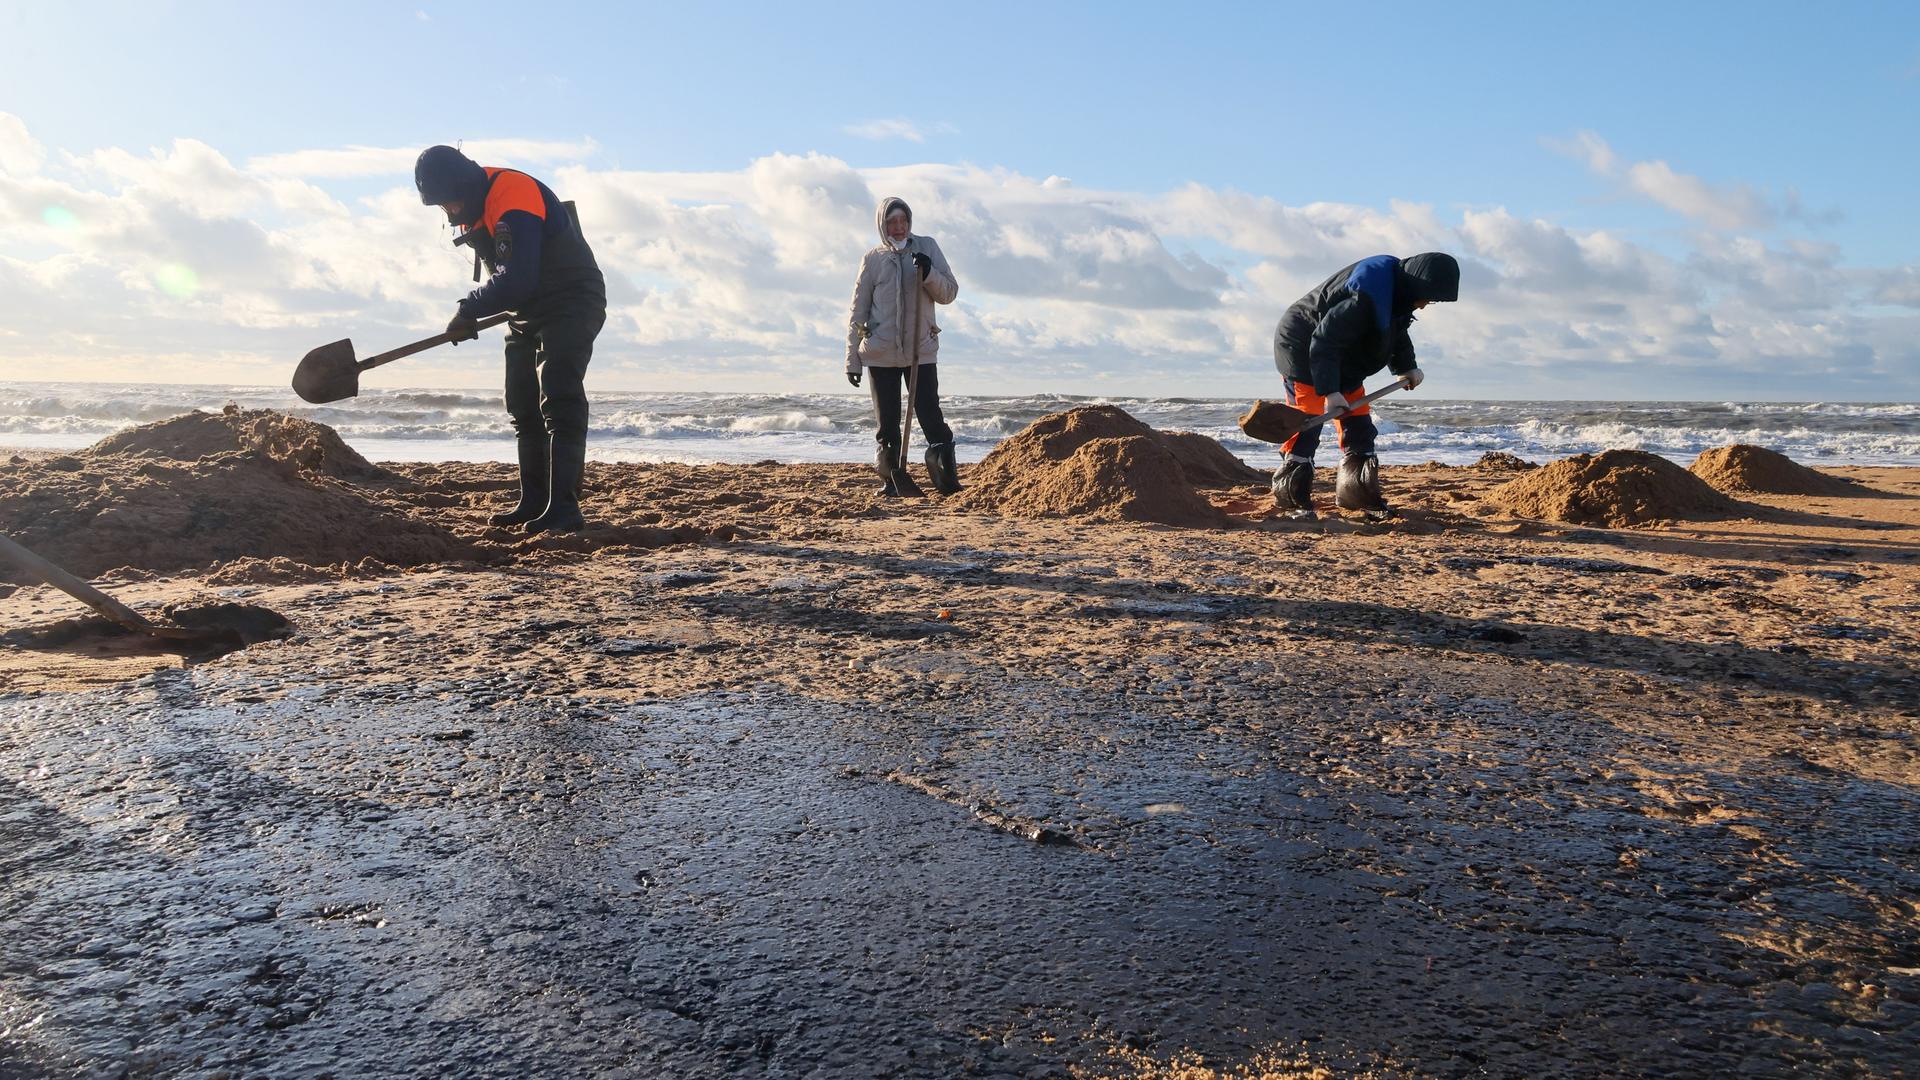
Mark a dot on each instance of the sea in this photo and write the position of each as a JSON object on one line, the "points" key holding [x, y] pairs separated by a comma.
{"points": [[469, 425]]}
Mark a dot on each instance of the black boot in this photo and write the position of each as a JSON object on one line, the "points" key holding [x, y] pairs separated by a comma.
{"points": [[886, 461], [942, 469], [563, 509], [533, 481], [1293, 489], [1359, 486]]}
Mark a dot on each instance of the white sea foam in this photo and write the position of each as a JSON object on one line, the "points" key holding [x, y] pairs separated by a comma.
{"points": [[436, 424]]}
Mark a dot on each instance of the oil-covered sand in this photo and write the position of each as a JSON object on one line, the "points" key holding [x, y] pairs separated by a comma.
{"points": [[765, 776]]}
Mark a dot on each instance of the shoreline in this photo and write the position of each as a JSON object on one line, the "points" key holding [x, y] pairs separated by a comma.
{"points": [[1380, 799], [400, 424]]}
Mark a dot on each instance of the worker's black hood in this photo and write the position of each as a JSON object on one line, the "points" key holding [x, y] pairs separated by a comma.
{"points": [[1433, 276], [446, 175]]}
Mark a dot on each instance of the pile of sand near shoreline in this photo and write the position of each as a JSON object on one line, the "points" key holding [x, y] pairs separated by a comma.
{"points": [[1099, 463], [1501, 461], [307, 446], [95, 513], [1746, 468], [1207, 463], [1615, 489]]}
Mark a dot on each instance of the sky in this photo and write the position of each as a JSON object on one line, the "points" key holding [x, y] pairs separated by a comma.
{"points": [[1649, 200]]}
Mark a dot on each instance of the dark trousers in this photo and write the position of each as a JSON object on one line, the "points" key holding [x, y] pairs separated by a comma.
{"points": [[546, 373], [885, 385]]}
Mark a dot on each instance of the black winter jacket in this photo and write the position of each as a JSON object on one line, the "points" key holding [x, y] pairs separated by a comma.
{"points": [[1356, 322]]}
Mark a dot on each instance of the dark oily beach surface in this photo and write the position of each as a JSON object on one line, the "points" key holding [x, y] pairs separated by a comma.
{"points": [[832, 787]]}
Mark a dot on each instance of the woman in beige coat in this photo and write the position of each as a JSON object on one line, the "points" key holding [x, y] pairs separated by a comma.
{"points": [[890, 327]]}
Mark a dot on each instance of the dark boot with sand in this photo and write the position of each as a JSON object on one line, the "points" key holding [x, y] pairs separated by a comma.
{"points": [[886, 461], [563, 508], [533, 453], [943, 469], [1359, 486], [1293, 489]]}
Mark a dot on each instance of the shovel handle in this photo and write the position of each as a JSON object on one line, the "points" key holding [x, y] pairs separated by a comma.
{"points": [[74, 587], [1397, 384], [424, 344]]}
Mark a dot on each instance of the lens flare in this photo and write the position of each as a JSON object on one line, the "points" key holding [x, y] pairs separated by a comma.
{"points": [[177, 280], [60, 218]]}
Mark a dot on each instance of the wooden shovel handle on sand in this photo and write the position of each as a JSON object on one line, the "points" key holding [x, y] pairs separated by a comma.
{"points": [[114, 610], [1277, 421]]}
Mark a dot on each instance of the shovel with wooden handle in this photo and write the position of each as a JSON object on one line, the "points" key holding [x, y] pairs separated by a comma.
{"points": [[902, 480], [330, 373], [1277, 421], [30, 563]]}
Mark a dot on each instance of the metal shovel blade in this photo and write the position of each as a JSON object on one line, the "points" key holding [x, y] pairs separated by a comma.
{"points": [[1273, 421], [328, 373]]}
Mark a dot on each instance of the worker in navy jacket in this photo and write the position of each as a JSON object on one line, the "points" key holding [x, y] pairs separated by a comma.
{"points": [[543, 272], [1329, 343]]}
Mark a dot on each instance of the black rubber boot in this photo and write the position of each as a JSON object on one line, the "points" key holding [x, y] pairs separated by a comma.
{"points": [[533, 482], [886, 461], [1359, 486], [1293, 489], [563, 508], [943, 469]]}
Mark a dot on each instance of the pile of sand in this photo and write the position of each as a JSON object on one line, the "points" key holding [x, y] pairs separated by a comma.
{"points": [[148, 498], [1098, 463], [307, 446], [1616, 488], [1501, 461], [1754, 468], [1208, 464]]}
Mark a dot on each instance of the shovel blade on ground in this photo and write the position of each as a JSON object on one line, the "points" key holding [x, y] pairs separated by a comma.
{"points": [[1273, 421], [328, 373]]}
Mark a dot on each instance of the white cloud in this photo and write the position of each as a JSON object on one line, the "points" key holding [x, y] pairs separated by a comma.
{"points": [[359, 161], [1731, 207], [886, 129], [880, 130], [177, 263], [1900, 287], [1737, 207], [20, 153]]}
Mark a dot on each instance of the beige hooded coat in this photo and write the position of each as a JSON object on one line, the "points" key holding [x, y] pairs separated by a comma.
{"points": [[889, 287]]}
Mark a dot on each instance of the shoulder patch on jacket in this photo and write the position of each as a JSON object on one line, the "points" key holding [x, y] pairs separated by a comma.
{"points": [[503, 243]]}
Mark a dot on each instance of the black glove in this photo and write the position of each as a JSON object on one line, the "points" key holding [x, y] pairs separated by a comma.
{"points": [[462, 328], [853, 378], [925, 264]]}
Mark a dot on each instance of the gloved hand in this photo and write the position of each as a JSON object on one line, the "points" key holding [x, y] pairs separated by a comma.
{"points": [[1415, 378], [1336, 405], [462, 329], [853, 378], [925, 264]]}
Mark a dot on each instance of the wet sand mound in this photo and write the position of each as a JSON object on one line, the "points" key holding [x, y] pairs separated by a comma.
{"points": [[1094, 462], [94, 512], [1745, 468], [1501, 461], [1615, 489], [1208, 464], [309, 447]]}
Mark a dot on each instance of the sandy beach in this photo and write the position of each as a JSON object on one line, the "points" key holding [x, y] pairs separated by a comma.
{"points": [[1099, 769]]}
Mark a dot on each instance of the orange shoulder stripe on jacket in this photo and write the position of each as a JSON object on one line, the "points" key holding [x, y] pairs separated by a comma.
{"points": [[512, 191]]}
